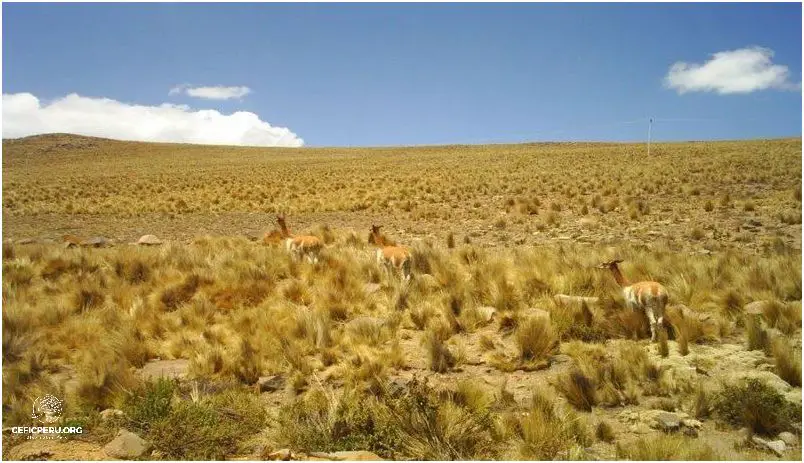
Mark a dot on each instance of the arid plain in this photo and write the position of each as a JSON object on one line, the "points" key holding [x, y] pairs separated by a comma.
{"points": [[477, 357]]}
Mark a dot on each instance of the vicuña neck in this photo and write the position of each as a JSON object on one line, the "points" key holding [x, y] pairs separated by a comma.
{"points": [[379, 240], [618, 276]]}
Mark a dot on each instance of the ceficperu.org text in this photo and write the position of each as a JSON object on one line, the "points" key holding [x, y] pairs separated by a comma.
{"points": [[47, 430]]}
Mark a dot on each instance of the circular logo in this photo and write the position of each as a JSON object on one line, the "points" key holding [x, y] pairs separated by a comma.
{"points": [[46, 409]]}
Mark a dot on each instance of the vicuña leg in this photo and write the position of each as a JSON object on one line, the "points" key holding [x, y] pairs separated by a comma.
{"points": [[652, 321]]}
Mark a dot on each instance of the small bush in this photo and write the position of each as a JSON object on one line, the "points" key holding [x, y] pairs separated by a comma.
{"points": [[150, 403], [578, 389], [758, 406], [207, 428]]}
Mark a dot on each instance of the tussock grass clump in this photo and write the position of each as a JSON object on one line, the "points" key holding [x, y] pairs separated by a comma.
{"points": [[418, 423], [702, 403], [607, 378], [432, 429], [605, 432], [732, 304], [757, 336], [439, 357], [325, 421], [8, 251], [664, 349], [547, 431], [758, 406], [579, 324], [578, 389], [172, 297], [535, 339], [784, 317], [666, 447], [134, 271], [104, 373], [787, 360]]}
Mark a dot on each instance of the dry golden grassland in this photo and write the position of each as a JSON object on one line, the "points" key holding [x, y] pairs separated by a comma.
{"points": [[473, 359]]}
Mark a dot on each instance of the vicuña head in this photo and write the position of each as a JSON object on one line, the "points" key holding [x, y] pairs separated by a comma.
{"points": [[275, 237], [390, 255], [649, 297]]}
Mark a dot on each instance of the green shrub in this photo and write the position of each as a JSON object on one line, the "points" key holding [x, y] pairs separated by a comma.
{"points": [[209, 429], [150, 403], [758, 406]]}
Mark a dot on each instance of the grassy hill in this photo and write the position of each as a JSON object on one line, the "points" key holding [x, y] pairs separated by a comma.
{"points": [[694, 195], [475, 358]]}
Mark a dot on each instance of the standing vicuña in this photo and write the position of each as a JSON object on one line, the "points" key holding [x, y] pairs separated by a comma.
{"points": [[390, 255], [649, 297], [302, 245]]}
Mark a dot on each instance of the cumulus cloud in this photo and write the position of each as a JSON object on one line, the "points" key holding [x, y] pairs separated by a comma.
{"points": [[217, 92], [744, 70], [24, 114]]}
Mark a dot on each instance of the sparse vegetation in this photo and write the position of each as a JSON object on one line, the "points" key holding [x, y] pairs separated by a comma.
{"points": [[341, 335]]}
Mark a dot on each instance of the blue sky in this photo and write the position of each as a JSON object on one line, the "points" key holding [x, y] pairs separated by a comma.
{"points": [[402, 74]]}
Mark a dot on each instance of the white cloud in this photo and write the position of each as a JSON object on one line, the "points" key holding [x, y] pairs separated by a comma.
{"points": [[24, 114], [735, 71], [217, 92]]}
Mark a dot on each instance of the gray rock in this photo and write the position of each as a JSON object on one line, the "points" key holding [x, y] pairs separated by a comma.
{"points": [[270, 383], [777, 446], [170, 369], [759, 442], [110, 413], [96, 242], [282, 455], [755, 308], [640, 428], [397, 386], [356, 455], [559, 359], [667, 422], [371, 288], [691, 423], [126, 446], [788, 438], [149, 240]]}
